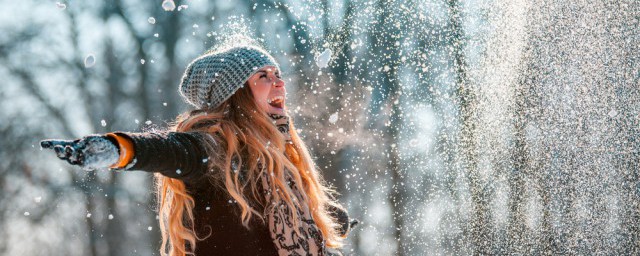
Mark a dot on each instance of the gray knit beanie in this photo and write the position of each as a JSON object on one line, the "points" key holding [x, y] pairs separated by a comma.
{"points": [[212, 78]]}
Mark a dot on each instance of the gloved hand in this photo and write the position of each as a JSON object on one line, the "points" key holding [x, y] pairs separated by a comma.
{"points": [[90, 152], [353, 223]]}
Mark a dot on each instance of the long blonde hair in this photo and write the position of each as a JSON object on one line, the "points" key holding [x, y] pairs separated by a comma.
{"points": [[239, 132]]}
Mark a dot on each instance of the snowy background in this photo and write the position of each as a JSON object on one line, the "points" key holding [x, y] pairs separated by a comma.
{"points": [[449, 127]]}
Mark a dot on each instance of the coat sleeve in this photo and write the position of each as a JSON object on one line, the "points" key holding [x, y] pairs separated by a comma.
{"points": [[180, 155]]}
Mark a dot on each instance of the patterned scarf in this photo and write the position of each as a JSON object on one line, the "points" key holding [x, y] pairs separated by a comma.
{"points": [[304, 237], [282, 123]]}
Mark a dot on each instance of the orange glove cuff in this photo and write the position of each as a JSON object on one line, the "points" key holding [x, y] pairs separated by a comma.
{"points": [[126, 150]]}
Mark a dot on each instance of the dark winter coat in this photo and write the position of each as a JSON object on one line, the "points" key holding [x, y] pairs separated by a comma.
{"points": [[216, 216]]}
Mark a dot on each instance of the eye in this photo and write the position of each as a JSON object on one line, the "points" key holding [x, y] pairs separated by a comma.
{"points": [[263, 75], [278, 75]]}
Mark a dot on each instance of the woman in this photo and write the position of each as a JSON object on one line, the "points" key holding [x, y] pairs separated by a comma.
{"points": [[233, 176]]}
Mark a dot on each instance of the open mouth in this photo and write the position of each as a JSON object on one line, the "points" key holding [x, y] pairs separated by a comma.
{"points": [[276, 102]]}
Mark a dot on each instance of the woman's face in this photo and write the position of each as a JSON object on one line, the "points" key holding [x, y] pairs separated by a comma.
{"points": [[268, 90]]}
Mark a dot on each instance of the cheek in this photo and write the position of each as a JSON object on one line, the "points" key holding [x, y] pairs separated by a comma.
{"points": [[260, 93]]}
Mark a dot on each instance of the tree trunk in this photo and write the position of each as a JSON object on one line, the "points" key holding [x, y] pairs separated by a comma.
{"points": [[479, 227], [384, 37]]}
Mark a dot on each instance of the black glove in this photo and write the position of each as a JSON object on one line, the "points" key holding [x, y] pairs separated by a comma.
{"points": [[353, 223], [90, 152]]}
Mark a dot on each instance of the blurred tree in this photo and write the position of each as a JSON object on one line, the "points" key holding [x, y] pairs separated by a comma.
{"points": [[387, 96], [478, 229]]}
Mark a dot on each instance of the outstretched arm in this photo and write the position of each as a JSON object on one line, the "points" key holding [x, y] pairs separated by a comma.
{"points": [[179, 155], [174, 154]]}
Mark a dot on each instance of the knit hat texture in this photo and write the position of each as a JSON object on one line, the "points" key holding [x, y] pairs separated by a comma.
{"points": [[212, 78]]}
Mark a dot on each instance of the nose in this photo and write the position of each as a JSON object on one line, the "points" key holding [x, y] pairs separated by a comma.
{"points": [[278, 82]]}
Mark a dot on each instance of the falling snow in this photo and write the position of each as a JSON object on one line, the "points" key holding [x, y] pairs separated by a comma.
{"points": [[333, 118], [322, 60], [168, 5], [61, 6], [89, 61], [182, 7]]}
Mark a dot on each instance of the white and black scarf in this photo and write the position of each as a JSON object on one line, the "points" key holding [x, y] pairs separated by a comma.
{"points": [[291, 239]]}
